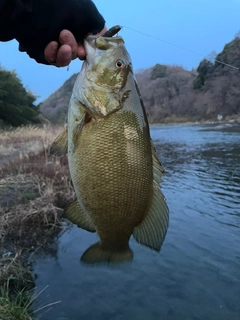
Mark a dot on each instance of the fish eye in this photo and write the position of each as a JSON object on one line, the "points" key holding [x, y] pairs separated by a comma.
{"points": [[120, 64]]}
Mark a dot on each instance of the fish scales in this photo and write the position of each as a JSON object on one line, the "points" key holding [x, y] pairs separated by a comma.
{"points": [[117, 181]]}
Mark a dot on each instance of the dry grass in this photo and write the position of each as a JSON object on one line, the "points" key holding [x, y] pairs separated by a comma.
{"points": [[24, 141], [13, 274], [34, 189]]}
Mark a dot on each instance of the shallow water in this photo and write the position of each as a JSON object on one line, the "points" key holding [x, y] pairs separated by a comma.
{"points": [[197, 273]]}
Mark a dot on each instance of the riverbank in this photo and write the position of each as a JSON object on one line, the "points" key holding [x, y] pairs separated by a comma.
{"points": [[34, 189], [223, 126]]}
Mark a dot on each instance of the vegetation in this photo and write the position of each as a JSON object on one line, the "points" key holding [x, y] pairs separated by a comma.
{"points": [[15, 289], [204, 69], [16, 104], [158, 71], [34, 189], [16, 292], [220, 93], [17, 307]]}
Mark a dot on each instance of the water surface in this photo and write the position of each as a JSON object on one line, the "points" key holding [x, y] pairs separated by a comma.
{"points": [[196, 276]]}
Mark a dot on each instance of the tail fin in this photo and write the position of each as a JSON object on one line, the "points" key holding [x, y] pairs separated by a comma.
{"points": [[97, 254]]}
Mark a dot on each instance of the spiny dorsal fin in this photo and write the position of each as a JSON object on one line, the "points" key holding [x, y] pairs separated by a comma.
{"points": [[59, 147], [152, 230], [79, 217]]}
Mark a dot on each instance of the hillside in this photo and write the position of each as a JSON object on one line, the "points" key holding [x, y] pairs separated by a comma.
{"points": [[218, 85], [173, 94], [55, 107], [167, 93]]}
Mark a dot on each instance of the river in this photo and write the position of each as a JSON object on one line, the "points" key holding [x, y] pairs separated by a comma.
{"points": [[196, 276]]}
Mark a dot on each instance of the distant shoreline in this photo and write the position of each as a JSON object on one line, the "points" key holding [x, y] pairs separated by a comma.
{"points": [[224, 126]]}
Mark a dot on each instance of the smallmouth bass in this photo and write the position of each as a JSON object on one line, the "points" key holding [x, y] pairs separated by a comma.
{"points": [[113, 165]]}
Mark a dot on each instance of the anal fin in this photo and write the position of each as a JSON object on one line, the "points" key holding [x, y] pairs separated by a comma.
{"points": [[79, 217], [59, 146]]}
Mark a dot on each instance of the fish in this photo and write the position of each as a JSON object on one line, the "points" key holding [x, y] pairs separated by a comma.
{"points": [[113, 164]]}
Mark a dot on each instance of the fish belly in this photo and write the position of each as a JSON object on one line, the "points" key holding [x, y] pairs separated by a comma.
{"points": [[111, 170]]}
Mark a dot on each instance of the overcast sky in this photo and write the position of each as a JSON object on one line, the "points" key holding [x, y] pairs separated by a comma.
{"points": [[200, 26]]}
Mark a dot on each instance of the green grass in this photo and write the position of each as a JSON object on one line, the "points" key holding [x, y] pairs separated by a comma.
{"points": [[28, 196], [15, 305]]}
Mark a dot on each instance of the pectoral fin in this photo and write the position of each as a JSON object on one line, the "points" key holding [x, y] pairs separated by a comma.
{"points": [[78, 127], [77, 216], [59, 147], [152, 230]]}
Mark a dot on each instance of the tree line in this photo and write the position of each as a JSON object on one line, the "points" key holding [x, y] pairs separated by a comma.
{"points": [[17, 105]]}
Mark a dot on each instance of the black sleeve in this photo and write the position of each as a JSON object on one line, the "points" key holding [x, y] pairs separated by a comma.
{"points": [[34, 23]]}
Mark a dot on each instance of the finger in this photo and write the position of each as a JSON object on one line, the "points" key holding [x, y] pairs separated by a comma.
{"points": [[51, 51], [81, 53], [66, 37], [64, 56]]}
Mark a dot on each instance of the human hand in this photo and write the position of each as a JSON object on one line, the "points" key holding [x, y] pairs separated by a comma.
{"points": [[69, 49]]}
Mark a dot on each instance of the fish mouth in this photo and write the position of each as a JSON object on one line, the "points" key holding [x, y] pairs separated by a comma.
{"points": [[100, 44]]}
